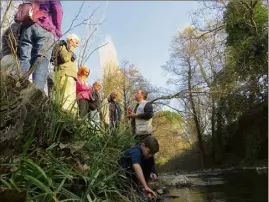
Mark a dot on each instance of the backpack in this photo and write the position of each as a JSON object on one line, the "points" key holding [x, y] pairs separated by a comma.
{"points": [[55, 58], [28, 14]]}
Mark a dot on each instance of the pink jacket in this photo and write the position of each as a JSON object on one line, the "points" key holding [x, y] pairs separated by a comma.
{"points": [[83, 90]]}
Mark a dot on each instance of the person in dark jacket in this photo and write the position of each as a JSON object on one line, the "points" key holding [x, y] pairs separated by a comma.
{"points": [[94, 101]]}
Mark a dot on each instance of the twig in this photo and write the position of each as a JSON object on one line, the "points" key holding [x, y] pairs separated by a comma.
{"points": [[95, 50]]}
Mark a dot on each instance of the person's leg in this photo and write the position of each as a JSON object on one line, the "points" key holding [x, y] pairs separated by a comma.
{"points": [[144, 137], [41, 53], [83, 107], [140, 138], [41, 73], [50, 85], [68, 85], [25, 49]]}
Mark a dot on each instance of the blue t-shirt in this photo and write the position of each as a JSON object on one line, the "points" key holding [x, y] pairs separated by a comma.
{"points": [[134, 156]]}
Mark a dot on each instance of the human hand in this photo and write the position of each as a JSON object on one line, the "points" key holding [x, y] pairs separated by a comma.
{"points": [[151, 194], [130, 110], [131, 115], [153, 176]]}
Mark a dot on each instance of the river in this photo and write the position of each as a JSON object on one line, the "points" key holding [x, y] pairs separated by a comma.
{"points": [[249, 185]]}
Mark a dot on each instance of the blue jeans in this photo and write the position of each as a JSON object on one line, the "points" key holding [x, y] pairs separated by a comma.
{"points": [[35, 52]]}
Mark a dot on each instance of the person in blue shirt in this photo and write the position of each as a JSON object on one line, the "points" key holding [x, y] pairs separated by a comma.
{"points": [[139, 163]]}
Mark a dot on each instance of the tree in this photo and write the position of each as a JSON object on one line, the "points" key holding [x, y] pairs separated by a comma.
{"points": [[246, 24], [111, 79], [87, 47], [184, 69], [168, 128]]}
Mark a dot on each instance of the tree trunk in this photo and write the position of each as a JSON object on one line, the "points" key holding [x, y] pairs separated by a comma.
{"points": [[219, 146], [213, 130], [195, 117]]}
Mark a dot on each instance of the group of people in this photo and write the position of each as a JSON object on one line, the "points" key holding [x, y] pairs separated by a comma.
{"points": [[32, 42]]}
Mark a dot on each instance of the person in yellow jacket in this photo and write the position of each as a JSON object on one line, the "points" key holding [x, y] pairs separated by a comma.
{"points": [[65, 74]]}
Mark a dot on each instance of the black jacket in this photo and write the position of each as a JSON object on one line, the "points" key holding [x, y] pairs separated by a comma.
{"points": [[94, 102]]}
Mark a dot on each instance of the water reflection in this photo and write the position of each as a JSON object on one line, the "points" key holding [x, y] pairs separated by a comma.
{"points": [[240, 186]]}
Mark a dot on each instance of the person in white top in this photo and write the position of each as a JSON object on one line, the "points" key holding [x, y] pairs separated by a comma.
{"points": [[141, 116]]}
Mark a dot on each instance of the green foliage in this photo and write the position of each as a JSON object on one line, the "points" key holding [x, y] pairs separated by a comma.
{"points": [[247, 40], [171, 117], [73, 160], [227, 64]]}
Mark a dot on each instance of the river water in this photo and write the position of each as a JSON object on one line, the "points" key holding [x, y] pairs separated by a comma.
{"points": [[236, 186]]}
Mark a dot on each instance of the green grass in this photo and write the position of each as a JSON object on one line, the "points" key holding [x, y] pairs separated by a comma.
{"points": [[55, 146]]}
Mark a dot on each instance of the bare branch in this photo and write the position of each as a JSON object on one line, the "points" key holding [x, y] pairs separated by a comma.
{"points": [[94, 51]]}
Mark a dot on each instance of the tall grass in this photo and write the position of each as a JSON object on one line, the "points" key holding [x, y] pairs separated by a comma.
{"points": [[69, 159]]}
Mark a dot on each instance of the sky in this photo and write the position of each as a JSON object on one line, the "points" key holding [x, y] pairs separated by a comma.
{"points": [[140, 30]]}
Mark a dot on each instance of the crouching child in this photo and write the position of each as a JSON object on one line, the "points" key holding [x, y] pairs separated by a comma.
{"points": [[139, 164]]}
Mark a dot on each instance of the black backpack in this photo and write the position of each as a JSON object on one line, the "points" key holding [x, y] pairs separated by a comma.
{"points": [[55, 57]]}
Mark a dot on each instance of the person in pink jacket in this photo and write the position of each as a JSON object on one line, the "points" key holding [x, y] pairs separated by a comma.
{"points": [[83, 90]]}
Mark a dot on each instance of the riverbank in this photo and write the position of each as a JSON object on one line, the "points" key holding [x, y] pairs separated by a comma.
{"points": [[48, 155]]}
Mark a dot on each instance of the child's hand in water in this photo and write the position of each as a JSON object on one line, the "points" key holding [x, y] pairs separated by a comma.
{"points": [[151, 194]]}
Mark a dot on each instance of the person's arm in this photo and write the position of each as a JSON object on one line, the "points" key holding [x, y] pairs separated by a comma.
{"points": [[57, 16], [139, 174], [148, 112]]}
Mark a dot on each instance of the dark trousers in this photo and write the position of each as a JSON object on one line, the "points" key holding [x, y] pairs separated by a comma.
{"points": [[139, 138], [83, 105], [50, 86]]}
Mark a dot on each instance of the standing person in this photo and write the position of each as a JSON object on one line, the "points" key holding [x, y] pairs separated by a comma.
{"points": [[141, 116], [38, 36], [94, 102], [9, 51], [109, 110], [65, 74], [83, 91]]}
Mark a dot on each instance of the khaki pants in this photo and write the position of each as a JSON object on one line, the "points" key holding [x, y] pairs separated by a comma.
{"points": [[68, 84], [140, 138]]}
